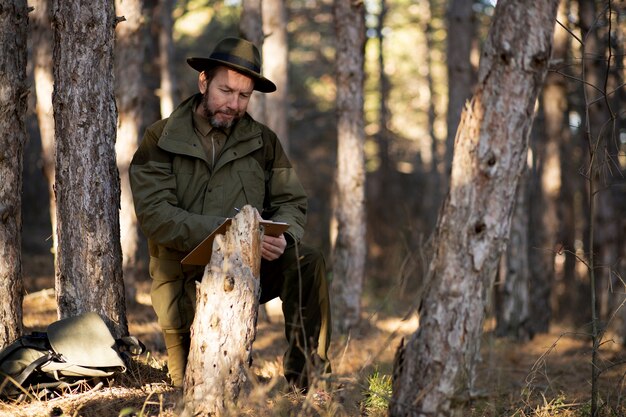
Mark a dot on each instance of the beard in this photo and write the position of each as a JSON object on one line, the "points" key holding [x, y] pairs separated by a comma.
{"points": [[212, 116]]}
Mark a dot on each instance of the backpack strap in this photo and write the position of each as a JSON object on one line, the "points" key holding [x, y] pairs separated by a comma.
{"points": [[23, 376], [35, 340]]}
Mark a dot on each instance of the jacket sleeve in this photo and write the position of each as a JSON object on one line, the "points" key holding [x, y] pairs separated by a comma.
{"points": [[153, 187], [286, 200]]}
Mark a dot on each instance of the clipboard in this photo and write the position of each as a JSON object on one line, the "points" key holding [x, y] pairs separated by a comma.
{"points": [[201, 254]]}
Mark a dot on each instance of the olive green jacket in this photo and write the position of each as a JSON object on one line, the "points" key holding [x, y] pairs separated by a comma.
{"points": [[179, 201]]}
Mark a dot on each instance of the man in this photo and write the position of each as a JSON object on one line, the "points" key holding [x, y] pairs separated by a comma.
{"points": [[191, 171]]}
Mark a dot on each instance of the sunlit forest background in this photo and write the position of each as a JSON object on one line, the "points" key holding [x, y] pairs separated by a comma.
{"points": [[415, 135], [410, 128], [408, 133]]}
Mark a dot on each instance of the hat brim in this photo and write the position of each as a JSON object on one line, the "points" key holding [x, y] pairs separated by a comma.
{"points": [[261, 83], [84, 340]]}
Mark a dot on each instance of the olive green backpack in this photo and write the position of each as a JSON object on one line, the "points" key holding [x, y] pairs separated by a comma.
{"points": [[72, 351]]}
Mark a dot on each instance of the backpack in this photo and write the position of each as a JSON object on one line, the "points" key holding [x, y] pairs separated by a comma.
{"points": [[72, 351]]}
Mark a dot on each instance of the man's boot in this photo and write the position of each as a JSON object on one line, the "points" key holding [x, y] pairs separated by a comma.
{"points": [[177, 345]]}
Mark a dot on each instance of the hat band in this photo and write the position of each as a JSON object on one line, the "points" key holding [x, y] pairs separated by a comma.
{"points": [[237, 61]]}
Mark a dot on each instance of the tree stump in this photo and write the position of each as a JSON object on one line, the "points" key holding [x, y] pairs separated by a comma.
{"points": [[224, 326]]}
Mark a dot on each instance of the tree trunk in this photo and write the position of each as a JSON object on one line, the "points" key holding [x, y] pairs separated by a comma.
{"points": [[151, 109], [384, 88], [41, 33], [461, 79], [275, 45], [434, 168], [89, 273], [129, 53], [600, 137], [382, 217], [601, 250], [167, 91], [546, 185], [13, 104], [349, 251], [251, 29], [224, 326], [513, 291], [570, 295], [542, 244], [435, 370], [616, 82]]}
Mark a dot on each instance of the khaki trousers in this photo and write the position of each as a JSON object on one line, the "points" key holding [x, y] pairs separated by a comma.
{"points": [[298, 277]]}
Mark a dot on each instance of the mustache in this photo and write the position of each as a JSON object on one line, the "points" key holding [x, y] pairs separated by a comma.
{"points": [[228, 112], [208, 113]]}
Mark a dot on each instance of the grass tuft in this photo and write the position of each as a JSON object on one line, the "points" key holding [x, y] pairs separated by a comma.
{"points": [[377, 394]]}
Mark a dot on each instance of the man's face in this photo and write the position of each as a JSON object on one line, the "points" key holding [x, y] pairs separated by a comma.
{"points": [[225, 97]]}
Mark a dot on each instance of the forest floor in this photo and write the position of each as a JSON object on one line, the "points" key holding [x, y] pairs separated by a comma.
{"points": [[547, 376]]}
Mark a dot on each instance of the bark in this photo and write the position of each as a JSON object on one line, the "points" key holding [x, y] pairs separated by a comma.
{"points": [[224, 326], [13, 104], [349, 251], [41, 33], [513, 291], [435, 371], [129, 53], [89, 262], [461, 78], [167, 91], [275, 45], [251, 28]]}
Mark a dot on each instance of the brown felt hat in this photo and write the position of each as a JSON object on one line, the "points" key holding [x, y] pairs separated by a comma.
{"points": [[240, 55]]}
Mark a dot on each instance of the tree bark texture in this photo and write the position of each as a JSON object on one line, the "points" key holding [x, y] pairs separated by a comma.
{"points": [[41, 32], [251, 28], [89, 262], [435, 369], [349, 250], [513, 291], [224, 326], [275, 67], [13, 104], [129, 86]]}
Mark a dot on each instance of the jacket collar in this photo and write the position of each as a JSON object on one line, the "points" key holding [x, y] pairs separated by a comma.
{"points": [[178, 135]]}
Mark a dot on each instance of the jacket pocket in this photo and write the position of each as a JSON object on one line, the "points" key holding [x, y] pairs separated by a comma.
{"points": [[253, 184]]}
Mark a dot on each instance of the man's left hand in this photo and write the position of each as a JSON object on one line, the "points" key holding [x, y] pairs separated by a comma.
{"points": [[272, 247]]}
